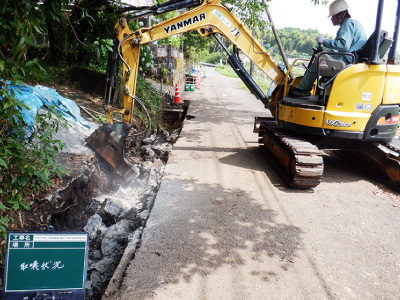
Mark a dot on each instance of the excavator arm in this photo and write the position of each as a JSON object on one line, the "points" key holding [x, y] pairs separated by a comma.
{"points": [[210, 18]]}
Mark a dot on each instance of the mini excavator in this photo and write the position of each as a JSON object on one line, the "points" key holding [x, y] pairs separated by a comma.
{"points": [[352, 108]]}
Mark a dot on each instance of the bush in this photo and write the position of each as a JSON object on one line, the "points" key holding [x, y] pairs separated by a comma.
{"points": [[213, 58], [26, 163], [151, 98]]}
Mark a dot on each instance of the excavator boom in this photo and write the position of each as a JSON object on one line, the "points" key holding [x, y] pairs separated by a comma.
{"points": [[210, 18]]}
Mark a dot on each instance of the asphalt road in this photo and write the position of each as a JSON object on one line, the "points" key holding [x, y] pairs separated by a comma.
{"points": [[225, 226]]}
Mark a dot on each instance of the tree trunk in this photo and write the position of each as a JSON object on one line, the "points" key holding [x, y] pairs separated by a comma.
{"points": [[57, 39]]}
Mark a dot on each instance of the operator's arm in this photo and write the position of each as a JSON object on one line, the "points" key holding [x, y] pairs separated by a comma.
{"points": [[350, 37]]}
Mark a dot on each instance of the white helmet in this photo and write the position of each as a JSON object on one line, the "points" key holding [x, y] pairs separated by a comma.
{"points": [[336, 7]]}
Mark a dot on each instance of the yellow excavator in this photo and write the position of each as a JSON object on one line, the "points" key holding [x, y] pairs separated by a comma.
{"points": [[351, 108]]}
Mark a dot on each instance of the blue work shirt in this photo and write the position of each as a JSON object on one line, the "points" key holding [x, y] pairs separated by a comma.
{"points": [[350, 37]]}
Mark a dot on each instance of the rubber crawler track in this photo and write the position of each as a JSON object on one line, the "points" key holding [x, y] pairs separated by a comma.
{"points": [[298, 162]]}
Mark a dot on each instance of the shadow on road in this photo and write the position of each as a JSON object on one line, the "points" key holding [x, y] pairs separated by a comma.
{"points": [[201, 236]]}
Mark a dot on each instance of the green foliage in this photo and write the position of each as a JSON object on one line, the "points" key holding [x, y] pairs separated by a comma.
{"points": [[146, 59], [3, 225], [26, 163], [226, 71], [101, 119], [172, 40], [82, 36], [295, 41], [211, 58], [251, 13], [103, 46], [151, 98], [20, 24], [193, 44]]}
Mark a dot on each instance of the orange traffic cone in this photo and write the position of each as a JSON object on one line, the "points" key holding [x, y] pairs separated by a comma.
{"points": [[177, 96], [196, 82]]}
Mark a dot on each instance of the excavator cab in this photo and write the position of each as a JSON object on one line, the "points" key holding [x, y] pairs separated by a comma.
{"points": [[328, 67], [352, 108]]}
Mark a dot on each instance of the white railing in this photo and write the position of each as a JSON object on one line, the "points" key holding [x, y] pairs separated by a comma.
{"points": [[206, 64]]}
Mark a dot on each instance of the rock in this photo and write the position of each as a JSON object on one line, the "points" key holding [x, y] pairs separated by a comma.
{"points": [[166, 135], [175, 135], [144, 215], [94, 225], [149, 140], [115, 238], [162, 151], [103, 265], [160, 139], [97, 281], [145, 170], [115, 230], [88, 285], [132, 216], [111, 208], [148, 153], [100, 179], [97, 254]]}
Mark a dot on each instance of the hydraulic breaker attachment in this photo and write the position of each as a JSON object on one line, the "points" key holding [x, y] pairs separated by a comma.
{"points": [[109, 142]]}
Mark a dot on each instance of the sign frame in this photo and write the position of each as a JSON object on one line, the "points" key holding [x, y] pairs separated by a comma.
{"points": [[51, 260]]}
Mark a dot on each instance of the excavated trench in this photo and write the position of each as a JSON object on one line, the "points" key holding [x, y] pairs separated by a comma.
{"points": [[116, 217], [93, 198]]}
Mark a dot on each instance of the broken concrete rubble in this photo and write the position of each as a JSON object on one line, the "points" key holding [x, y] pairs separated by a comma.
{"points": [[117, 211], [113, 229]]}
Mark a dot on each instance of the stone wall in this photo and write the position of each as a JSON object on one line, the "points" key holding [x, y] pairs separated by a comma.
{"points": [[172, 59]]}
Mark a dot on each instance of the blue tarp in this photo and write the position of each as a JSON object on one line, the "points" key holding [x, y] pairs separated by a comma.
{"points": [[38, 96], [66, 107]]}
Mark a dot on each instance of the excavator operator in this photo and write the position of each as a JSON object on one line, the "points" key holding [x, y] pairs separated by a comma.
{"points": [[350, 37]]}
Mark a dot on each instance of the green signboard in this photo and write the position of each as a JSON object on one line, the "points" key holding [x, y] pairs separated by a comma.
{"points": [[46, 261]]}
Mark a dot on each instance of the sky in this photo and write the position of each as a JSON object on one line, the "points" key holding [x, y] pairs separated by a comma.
{"points": [[304, 15]]}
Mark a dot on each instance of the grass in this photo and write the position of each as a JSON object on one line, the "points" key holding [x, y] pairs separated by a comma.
{"points": [[262, 80]]}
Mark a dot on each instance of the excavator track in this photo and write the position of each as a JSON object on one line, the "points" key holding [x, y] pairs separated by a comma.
{"points": [[385, 156], [392, 165], [298, 162]]}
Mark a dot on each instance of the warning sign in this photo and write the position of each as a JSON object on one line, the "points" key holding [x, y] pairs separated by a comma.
{"points": [[323, 64]]}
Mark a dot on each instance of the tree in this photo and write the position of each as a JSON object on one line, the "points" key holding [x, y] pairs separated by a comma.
{"points": [[26, 160], [84, 29], [20, 22], [250, 12]]}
